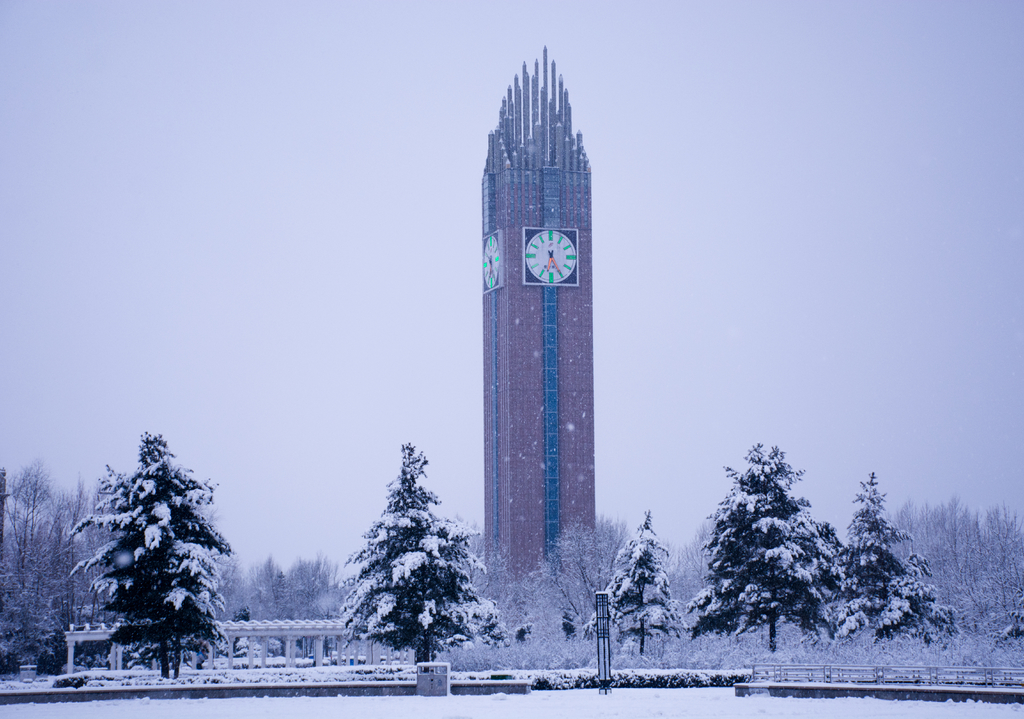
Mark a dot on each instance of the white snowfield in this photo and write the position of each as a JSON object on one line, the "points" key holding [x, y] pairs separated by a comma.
{"points": [[581, 703]]}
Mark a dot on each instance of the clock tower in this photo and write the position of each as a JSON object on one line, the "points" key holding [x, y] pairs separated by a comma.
{"points": [[537, 324]]}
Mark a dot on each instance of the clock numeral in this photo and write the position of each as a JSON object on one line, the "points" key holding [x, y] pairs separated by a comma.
{"points": [[530, 255]]}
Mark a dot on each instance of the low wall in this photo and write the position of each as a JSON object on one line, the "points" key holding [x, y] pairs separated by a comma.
{"points": [[493, 686], [90, 694], [933, 693], [322, 689]]}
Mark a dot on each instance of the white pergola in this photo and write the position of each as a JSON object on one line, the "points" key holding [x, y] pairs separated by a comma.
{"points": [[92, 633], [288, 630]]}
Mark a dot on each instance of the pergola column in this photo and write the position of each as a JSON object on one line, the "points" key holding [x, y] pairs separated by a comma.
{"points": [[318, 651], [71, 655], [252, 652], [263, 653]]}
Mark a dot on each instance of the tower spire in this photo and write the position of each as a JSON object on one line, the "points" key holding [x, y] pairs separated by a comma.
{"points": [[544, 119], [535, 127]]}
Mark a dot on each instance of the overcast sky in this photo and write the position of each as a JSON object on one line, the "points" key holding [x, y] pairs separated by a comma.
{"points": [[254, 228]]}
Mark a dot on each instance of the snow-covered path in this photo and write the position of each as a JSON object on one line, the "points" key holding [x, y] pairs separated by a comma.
{"points": [[584, 704]]}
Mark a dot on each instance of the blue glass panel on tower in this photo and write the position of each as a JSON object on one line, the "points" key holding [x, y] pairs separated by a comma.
{"points": [[495, 485], [552, 527]]}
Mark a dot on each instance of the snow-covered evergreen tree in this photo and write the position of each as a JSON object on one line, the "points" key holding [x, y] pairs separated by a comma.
{"points": [[162, 562], [879, 590], [641, 602], [413, 589], [770, 560]]}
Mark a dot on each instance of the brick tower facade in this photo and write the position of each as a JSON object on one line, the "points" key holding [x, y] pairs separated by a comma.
{"points": [[537, 324]]}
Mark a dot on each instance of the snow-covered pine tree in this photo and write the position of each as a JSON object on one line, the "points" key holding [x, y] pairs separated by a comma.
{"points": [[879, 590], [641, 602], [413, 589], [770, 561], [162, 562]]}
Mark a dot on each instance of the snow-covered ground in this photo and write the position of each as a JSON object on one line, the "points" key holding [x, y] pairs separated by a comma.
{"points": [[585, 704]]}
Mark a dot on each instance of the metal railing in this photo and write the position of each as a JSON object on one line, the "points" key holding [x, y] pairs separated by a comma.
{"points": [[847, 674]]}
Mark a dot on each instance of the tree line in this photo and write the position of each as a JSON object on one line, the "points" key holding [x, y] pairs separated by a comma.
{"points": [[39, 595], [760, 567]]}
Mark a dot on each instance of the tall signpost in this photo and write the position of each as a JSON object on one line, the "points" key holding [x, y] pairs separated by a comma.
{"points": [[604, 643], [3, 502]]}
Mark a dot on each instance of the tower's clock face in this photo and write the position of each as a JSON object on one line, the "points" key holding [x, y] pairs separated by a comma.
{"points": [[550, 257], [493, 263]]}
